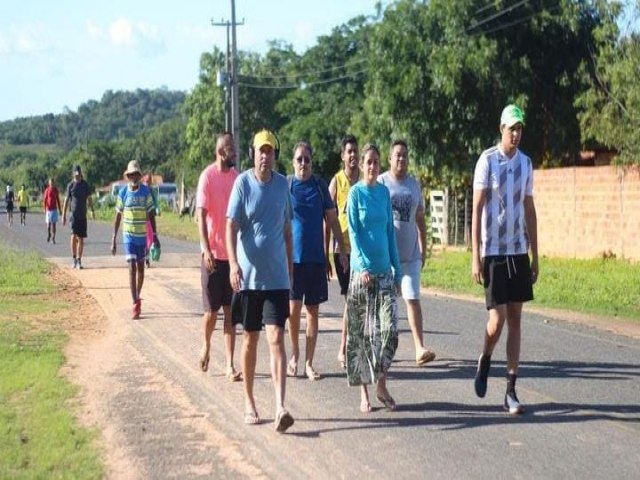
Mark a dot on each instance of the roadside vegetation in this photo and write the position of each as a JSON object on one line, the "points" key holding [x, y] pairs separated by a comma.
{"points": [[39, 436], [607, 287]]}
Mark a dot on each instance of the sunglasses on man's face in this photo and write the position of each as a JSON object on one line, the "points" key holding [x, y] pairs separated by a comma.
{"points": [[303, 159]]}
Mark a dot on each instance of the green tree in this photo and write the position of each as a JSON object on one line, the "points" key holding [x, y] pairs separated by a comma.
{"points": [[610, 108]]}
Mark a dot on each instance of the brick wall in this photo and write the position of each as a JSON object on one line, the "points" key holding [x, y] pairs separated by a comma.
{"points": [[585, 211]]}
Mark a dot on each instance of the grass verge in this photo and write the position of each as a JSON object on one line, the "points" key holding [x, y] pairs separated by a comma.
{"points": [[607, 287], [39, 437]]}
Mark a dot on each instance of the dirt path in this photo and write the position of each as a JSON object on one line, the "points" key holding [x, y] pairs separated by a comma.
{"points": [[123, 394]]}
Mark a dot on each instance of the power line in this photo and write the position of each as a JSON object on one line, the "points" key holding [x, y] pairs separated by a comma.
{"points": [[307, 74], [303, 85], [496, 15], [517, 21]]}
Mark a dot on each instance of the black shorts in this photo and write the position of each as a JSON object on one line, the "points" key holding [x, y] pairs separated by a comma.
{"points": [[309, 283], [507, 279], [343, 277], [254, 308], [216, 288], [79, 226], [9, 207], [23, 209]]}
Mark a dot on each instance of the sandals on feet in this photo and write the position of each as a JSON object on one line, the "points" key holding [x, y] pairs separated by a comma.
{"points": [[387, 400], [204, 361], [283, 421], [292, 368], [426, 357], [365, 406], [232, 375], [251, 417], [311, 373]]}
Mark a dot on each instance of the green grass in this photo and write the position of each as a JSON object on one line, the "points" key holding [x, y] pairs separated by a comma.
{"points": [[39, 437], [603, 287]]}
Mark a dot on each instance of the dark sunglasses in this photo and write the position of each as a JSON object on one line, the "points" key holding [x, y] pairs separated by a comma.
{"points": [[303, 159]]}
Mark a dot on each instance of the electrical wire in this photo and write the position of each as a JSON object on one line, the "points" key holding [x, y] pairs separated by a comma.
{"points": [[496, 15], [306, 74], [304, 84]]}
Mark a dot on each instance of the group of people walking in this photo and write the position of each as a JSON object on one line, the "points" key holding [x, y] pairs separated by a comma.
{"points": [[265, 245], [265, 242]]}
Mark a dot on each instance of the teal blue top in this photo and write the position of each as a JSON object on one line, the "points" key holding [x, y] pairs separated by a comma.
{"points": [[371, 231]]}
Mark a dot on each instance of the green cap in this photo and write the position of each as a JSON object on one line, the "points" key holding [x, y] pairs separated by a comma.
{"points": [[511, 115]]}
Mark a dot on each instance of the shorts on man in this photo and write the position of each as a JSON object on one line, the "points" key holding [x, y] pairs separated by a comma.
{"points": [[135, 252], [410, 283], [79, 227], [51, 216], [9, 207], [216, 287], [23, 209], [309, 283], [343, 276], [507, 279], [254, 308]]}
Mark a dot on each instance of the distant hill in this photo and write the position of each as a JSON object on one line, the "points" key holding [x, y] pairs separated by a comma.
{"points": [[118, 115]]}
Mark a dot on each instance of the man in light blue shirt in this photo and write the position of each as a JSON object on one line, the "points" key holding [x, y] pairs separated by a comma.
{"points": [[258, 239]]}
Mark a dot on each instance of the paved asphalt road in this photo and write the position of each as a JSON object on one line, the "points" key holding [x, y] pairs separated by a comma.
{"points": [[581, 387]]}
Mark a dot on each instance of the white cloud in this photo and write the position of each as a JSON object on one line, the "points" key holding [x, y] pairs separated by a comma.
{"points": [[24, 39], [200, 32], [94, 30], [305, 34], [121, 32]]}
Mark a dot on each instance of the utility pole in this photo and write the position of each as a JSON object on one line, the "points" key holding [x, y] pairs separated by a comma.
{"points": [[235, 106], [230, 81]]}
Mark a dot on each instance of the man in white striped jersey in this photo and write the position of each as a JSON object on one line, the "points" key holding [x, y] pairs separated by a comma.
{"points": [[503, 230]]}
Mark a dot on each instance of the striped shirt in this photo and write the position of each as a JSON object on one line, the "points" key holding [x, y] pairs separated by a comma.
{"points": [[134, 206], [506, 181]]}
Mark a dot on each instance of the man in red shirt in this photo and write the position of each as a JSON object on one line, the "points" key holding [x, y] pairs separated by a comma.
{"points": [[52, 207]]}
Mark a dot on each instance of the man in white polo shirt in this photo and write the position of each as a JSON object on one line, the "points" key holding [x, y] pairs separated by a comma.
{"points": [[504, 228]]}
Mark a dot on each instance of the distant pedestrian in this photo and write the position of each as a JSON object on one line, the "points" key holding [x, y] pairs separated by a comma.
{"points": [[23, 204], [312, 206], [52, 206], [339, 191], [259, 248], [134, 206], [9, 199], [372, 326], [77, 200], [407, 203], [212, 199], [504, 229]]}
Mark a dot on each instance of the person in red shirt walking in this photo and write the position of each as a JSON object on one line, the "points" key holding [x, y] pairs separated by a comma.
{"points": [[52, 207]]}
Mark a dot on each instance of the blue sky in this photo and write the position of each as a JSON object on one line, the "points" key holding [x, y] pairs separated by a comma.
{"points": [[61, 53]]}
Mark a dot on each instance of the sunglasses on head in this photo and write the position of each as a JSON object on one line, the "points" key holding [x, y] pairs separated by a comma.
{"points": [[303, 159]]}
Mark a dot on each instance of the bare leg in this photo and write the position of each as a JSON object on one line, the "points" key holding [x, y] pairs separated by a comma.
{"points": [[343, 338], [74, 246], [414, 315], [209, 320], [249, 355], [514, 313], [53, 231], [132, 281], [497, 317], [140, 279], [312, 333], [229, 338], [278, 355], [295, 309], [365, 405]]}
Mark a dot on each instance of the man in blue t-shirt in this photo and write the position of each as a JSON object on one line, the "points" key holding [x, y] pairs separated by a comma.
{"points": [[312, 205], [258, 238]]}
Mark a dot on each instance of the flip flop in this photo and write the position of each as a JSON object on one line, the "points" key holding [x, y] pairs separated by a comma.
{"points": [[292, 368], [251, 418], [365, 407], [387, 400], [204, 362], [342, 361], [426, 357], [233, 376], [311, 373], [283, 421]]}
